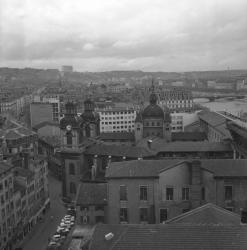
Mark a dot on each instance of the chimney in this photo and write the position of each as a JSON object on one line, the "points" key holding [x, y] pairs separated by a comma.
{"points": [[195, 184], [149, 142]]}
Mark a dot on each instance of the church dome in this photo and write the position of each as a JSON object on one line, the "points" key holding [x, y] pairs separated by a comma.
{"points": [[153, 109]]}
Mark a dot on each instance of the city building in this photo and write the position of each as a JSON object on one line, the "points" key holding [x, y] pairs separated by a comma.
{"points": [[7, 215], [154, 191], [91, 203], [153, 121], [214, 125], [239, 139], [40, 112], [26, 190], [117, 119], [177, 100]]}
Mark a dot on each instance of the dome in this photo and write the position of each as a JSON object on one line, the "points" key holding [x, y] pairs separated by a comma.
{"points": [[153, 110], [72, 121]]}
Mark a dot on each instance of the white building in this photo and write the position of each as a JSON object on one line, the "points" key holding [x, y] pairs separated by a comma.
{"points": [[117, 119], [176, 99], [181, 120]]}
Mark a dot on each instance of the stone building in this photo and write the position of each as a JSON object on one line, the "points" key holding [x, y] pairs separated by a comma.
{"points": [[153, 191], [153, 121]]}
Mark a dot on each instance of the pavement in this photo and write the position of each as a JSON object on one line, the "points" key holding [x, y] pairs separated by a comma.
{"points": [[38, 238]]}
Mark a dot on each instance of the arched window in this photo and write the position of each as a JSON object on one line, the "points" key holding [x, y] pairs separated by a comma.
{"points": [[69, 138], [72, 188], [152, 124], [72, 169], [87, 130]]}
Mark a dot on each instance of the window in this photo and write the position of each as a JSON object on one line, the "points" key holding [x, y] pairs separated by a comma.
{"points": [[72, 188], [163, 215], [244, 216], [123, 193], [169, 194], [143, 193], [69, 138], [143, 214], [185, 194], [203, 193], [228, 193], [123, 214], [71, 169]]}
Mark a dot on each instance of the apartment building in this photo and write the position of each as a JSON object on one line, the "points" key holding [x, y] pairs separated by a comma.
{"points": [[117, 119], [7, 214], [153, 191], [176, 99]]}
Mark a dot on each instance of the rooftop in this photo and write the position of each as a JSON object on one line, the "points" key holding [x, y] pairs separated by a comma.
{"points": [[170, 236], [119, 150], [117, 136], [24, 172], [91, 194], [215, 120], [5, 167], [161, 145], [152, 168]]}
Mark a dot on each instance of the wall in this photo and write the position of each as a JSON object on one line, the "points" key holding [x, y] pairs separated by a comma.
{"points": [[40, 112], [133, 204]]}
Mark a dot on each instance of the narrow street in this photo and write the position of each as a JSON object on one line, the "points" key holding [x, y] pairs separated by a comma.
{"points": [[38, 239]]}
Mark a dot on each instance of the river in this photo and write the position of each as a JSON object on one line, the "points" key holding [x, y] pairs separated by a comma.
{"points": [[231, 105]]}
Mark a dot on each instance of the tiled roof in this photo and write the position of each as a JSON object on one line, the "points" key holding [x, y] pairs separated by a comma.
{"points": [[170, 236], [13, 130], [215, 120], [45, 123], [117, 136], [92, 194], [226, 167], [138, 168], [212, 118], [189, 136], [24, 172], [119, 150], [189, 146], [5, 167], [152, 168], [161, 145], [209, 214]]}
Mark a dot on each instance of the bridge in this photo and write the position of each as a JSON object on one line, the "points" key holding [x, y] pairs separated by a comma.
{"points": [[212, 98]]}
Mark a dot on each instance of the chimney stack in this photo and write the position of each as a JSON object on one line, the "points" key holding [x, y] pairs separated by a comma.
{"points": [[195, 183]]}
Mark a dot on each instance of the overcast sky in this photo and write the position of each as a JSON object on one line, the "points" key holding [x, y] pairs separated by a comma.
{"points": [[99, 35]]}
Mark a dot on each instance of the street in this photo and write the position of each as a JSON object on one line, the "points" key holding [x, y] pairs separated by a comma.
{"points": [[38, 239]]}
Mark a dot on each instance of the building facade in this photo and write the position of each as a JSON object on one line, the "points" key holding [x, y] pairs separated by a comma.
{"points": [[155, 191], [177, 100]]}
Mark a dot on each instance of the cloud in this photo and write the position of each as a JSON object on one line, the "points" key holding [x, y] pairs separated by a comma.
{"points": [[96, 35]]}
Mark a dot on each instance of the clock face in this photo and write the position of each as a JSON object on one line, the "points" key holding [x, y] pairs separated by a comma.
{"points": [[68, 127]]}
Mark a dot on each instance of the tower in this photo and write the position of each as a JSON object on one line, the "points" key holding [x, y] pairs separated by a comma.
{"points": [[138, 127], [69, 127], [90, 121]]}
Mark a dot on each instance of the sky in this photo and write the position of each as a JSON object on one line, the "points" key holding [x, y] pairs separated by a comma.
{"points": [[104, 35]]}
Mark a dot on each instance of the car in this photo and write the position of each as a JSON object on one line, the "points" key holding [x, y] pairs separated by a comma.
{"points": [[64, 232], [67, 216]]}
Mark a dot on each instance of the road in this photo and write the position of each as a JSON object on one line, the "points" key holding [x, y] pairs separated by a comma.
{"points": [[38, 239]]}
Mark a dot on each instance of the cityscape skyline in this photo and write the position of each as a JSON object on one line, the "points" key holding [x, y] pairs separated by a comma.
{"points": [[131, 35]]}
